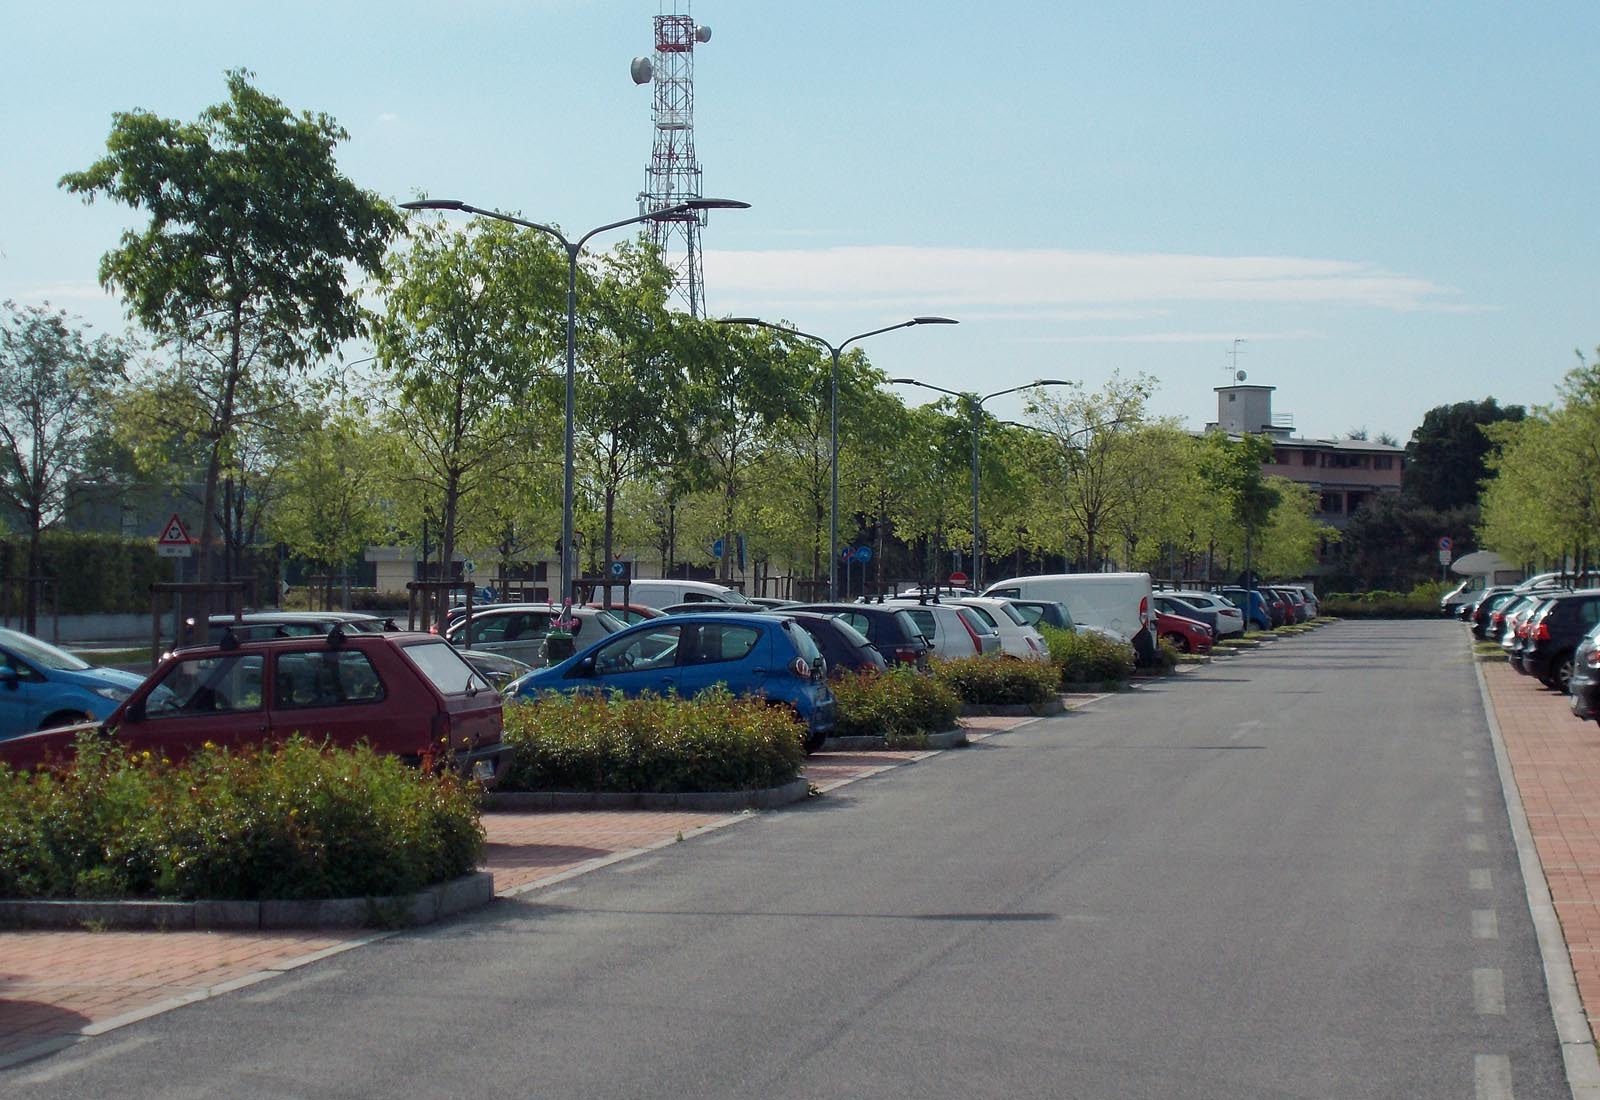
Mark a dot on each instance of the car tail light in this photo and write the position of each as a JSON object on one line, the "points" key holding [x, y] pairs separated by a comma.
{"points": [[1541, 633], [906, 653], [1033, 645], [1592, 658], [441, 730], [977, 642], [1499, 618], [801, 668], [1144, 610]]}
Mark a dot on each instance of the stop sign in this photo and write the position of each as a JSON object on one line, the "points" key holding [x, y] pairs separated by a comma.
{"points": [[958, 577]]}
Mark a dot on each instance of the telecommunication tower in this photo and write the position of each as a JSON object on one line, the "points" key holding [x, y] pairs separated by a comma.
{"points": [[673, 176]]}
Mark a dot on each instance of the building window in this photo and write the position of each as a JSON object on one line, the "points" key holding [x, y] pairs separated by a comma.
{"points": [[1233, 397], [1308, 458], [1332, 503], [1355, 501], [1383, 462]]}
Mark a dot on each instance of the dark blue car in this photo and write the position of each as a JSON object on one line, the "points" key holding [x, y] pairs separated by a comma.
{"points": [[767, 655]]}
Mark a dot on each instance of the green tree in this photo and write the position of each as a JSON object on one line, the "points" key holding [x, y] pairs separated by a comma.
{"points": [[328, 505], [1447, 457], [53, 381], [250, 235], [472, 321], [1232, 467]]}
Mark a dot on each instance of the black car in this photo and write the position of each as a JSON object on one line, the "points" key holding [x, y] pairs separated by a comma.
{"points": [[1045, 612], [890, 628], [1585, 682], [1482, 614], [1554, 633], [844, 647]]}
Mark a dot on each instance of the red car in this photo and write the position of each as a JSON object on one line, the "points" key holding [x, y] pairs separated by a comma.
{"points": [[408, 694], [1187, 635]]}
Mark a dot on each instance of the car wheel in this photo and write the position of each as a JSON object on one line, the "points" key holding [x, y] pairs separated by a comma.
{"points": [[814, 742], [65, 718], [1178, 640], [1562, 677]]}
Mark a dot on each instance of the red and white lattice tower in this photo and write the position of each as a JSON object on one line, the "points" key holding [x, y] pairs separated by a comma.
{"points": [[673, 176]]}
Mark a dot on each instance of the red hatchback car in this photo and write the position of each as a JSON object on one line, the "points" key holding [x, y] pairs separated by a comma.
{"points": [[408, 694], [1187, 635]]}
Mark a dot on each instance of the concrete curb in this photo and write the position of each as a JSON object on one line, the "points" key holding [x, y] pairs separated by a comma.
{"points": [[711, 801], [946, 739], [408, 910], [1566, 1005], [1045, 709]]}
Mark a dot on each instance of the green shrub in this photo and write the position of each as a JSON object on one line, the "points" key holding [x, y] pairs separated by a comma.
{"points": [[288, 822], [985, 681], [1166, 655], [902, 705], [1084, 657], [712, 742]]}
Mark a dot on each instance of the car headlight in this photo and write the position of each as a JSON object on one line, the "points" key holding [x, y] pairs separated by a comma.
{"points": [[115, 694]]}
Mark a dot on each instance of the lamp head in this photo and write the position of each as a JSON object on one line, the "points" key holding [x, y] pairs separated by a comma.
{"points": [[715, 204], [740, 321], [1051, 382], [934, 321], [904, 382], [434, 204]]}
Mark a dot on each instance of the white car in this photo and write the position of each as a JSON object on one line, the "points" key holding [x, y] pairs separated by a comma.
{"points": [[517, 630], [1230, 620], [952, 630], [1018, 637]]}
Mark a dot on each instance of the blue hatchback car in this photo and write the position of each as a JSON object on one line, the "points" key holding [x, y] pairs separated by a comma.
{"points": [[769, 655], [42, 687]]}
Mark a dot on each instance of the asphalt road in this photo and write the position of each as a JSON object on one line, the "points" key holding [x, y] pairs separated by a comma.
{"points": [[1288, 875]]}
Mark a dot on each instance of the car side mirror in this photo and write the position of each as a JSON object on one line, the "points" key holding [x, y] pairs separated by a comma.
{"points": [[584, 667]]}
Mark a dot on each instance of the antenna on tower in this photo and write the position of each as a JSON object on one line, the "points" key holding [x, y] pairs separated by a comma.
{"points": [[673, 176], [1235, 374]]}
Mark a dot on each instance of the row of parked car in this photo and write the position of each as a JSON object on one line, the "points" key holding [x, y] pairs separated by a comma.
{"points": [[357, 677], [1549, 631]]}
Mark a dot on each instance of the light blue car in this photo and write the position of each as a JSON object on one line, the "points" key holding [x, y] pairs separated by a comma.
{"points": [[42, 687]]}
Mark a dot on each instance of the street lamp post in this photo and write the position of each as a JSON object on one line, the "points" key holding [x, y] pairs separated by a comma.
{"points": [[572, 249], [835, 350], [977, 422]]}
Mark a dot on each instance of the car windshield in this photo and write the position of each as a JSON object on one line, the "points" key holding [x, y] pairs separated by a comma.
{"points": [[609, 622], [445, 668], [43, 654]]}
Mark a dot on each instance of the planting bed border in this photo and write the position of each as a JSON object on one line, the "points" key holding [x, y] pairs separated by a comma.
{"points": [[714, 801], [458, 895], [1046, 709], [877, 742]]}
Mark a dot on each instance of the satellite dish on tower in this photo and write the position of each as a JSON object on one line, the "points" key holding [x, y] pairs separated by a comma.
{"points": [[641, 70], [1238, 376], [702, 33]]}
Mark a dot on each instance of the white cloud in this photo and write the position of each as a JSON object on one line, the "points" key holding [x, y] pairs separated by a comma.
{"points": [[1028, 281]]}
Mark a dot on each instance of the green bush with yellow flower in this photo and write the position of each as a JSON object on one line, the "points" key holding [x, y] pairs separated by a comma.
{"points": [[292, 821]]}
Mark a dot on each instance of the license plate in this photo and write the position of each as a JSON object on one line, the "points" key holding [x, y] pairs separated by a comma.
{"points": [[483, 770]]}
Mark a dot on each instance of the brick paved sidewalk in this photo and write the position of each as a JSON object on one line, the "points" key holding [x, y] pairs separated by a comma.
{"points": [[1556, 761], [56, 987]]}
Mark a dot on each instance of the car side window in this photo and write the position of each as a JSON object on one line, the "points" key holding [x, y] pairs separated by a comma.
{"points": [[325, 679], [858, 621], [724, 642], [208, 685], [924, 620], [983, 613], [646, 650]]}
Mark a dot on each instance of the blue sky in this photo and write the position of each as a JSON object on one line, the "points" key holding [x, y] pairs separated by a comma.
{"points": [[1393, 205]]}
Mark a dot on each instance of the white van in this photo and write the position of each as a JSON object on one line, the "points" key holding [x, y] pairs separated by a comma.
{"points": [[665, 593], [1118, 602]]}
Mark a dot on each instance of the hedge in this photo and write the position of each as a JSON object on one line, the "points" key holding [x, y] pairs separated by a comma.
{"points": [[295, 821], [902, 705], [711, 742], [1084, 657], [986, 681]]}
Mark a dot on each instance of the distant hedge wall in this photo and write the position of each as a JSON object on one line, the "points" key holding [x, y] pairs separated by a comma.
{"points": [[93, 572]]}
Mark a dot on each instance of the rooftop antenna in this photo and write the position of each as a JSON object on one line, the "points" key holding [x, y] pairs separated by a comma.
{"points": [[1234, 373], [673, 176]]}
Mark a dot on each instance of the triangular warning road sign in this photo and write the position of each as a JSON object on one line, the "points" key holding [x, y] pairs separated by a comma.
{"points": [[175, 534]]}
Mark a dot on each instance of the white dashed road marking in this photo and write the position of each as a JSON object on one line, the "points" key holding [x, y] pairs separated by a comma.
{"points": [[1492, 1073], [1489, 991]]}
